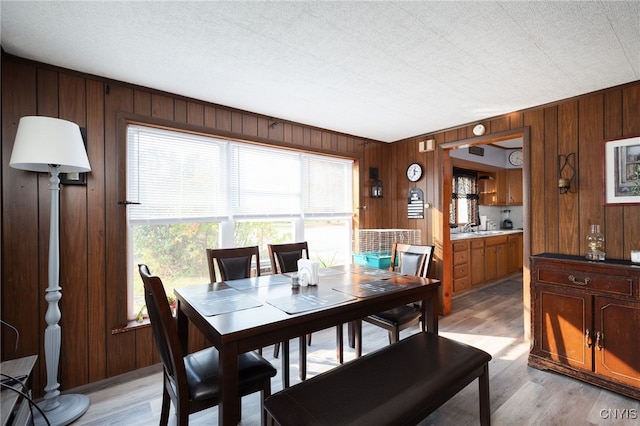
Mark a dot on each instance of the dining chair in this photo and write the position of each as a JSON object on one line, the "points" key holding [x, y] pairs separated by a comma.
{"points": [[191, 381], [233, 263], [410, 260], [284, 259]]}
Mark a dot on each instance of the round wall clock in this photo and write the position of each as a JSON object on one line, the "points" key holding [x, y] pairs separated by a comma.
{"points": [[414, 172], [515, 158]]}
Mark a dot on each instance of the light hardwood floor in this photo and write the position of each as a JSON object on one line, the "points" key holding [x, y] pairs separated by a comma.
{"points": [[489, 318]]}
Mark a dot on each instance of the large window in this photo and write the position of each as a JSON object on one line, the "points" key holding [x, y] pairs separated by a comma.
{"points": [[194, 192]]}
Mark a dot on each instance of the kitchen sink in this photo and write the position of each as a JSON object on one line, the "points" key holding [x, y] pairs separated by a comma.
{"points": [[463, 235]]}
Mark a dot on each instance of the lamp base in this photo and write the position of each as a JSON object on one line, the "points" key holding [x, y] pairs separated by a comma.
{"points": [[71, 407]]}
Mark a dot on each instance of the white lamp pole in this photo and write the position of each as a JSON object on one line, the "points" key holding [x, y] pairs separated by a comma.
{"points": [[45, 144]]}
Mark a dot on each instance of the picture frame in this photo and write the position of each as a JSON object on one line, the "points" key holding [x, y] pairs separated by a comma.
{"points": [[622, 171], [76, 178]]}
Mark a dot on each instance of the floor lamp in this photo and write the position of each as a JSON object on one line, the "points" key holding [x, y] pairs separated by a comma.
{"points": [[45, 144]]}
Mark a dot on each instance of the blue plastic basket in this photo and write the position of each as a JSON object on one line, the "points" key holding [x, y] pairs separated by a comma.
{"points": [[380, 260]]}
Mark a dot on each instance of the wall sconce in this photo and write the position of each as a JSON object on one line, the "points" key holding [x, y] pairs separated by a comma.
{"points": [[376, 184], [566, 172]]}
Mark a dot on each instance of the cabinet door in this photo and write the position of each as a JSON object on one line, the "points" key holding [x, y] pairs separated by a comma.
{"points": [[502, 261], [514, 185], [477, 263], [617, 324], [562, 324], [490, 263], [514, 253]]}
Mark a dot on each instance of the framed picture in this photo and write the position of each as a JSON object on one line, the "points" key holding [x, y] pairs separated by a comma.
{"points": [[76, 178], [622, 171]]}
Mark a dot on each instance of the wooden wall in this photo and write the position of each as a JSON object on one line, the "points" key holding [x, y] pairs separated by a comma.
{"points": [[557, 223], [92, 308], [95, 343]]}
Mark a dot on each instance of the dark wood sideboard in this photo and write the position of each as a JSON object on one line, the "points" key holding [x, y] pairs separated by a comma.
{"points": [[586, 320]]}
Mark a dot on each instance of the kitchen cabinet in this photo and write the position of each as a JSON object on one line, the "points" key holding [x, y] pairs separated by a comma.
{"points": [[585, 317], [502, 188], [495, 257], [477, 262], [460, 266], [514, 253], [514, 187], [480, 260]]}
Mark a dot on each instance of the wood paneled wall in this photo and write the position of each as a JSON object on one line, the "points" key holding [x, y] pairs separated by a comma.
{"points": [[94, 346], [557, 223], [90, 269]]}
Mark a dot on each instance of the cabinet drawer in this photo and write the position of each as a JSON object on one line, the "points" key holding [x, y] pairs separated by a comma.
{"points": [[477, 243], [460, 246], [460, 257], [613, 284], [461, 284], [460, 271], [496, 241]]}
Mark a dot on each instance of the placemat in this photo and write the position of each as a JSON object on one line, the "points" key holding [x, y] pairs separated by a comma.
{"points": [[222, 302], [261, 281], [328, 272], [302, 302], [379, 273], [369, 288]]}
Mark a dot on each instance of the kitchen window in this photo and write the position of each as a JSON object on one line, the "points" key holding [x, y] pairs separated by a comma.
{"points": [[197, 192], [464, 198]]}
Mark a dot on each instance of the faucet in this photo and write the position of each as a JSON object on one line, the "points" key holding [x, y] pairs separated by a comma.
{"points": [[468, 227]]}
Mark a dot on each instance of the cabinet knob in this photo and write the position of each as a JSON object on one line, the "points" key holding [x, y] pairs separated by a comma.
{"points": [[587, 336], [599, 339], [573, 279]]}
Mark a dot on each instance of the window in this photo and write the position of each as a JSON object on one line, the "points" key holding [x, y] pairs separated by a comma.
{"points": [[197, 192], [464, 198]]}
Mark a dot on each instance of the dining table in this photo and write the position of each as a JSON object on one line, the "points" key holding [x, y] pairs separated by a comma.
{"points": [[238, 316]]}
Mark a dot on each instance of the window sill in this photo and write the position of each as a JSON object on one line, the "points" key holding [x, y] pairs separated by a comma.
{"points": [[131, 326]]}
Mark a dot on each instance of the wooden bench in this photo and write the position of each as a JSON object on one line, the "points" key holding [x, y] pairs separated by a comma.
{"points": [[400, 384]]}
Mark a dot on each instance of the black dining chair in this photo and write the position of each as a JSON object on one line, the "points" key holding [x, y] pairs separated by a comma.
{"points": [[284, 259], [233, 263], [191, 381], [410, 260]]}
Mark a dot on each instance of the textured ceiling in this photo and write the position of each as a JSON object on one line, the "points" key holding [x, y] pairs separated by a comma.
{"points": [[383, 70]]}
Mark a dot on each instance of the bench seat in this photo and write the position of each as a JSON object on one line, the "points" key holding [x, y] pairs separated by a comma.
{"points": [[399, 384]]}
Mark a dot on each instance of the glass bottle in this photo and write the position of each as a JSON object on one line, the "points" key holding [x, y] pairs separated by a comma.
{"points": [[595, 244]]}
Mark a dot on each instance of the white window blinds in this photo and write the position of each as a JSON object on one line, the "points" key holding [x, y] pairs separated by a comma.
{"points": [[327, 186], [185, 177], [175, 176]]}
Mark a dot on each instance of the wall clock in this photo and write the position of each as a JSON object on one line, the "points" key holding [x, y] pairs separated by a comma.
{"points": [[515, 158], [414, 172]]}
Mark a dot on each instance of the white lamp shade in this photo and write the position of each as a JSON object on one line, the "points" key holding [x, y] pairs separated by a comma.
{"points": [[41, 141]]}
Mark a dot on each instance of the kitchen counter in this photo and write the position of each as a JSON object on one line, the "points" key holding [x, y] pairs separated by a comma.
{"points": [[481, 234]]}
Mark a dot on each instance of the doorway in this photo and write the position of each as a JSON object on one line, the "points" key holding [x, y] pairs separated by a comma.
{"points": [[446, 179]]}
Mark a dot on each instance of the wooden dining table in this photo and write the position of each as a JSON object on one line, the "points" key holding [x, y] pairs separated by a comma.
{"points": [[243, 315]]}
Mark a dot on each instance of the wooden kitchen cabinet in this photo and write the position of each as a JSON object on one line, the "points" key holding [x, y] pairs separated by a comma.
{"points": [[514, 253], [461, 280], [495, 257], [514, 187], [509, 187], [585, 318], [477, 262], [482, 260]]}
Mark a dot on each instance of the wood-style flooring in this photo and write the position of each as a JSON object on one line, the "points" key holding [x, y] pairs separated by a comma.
{"points": [[489, 318]]}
